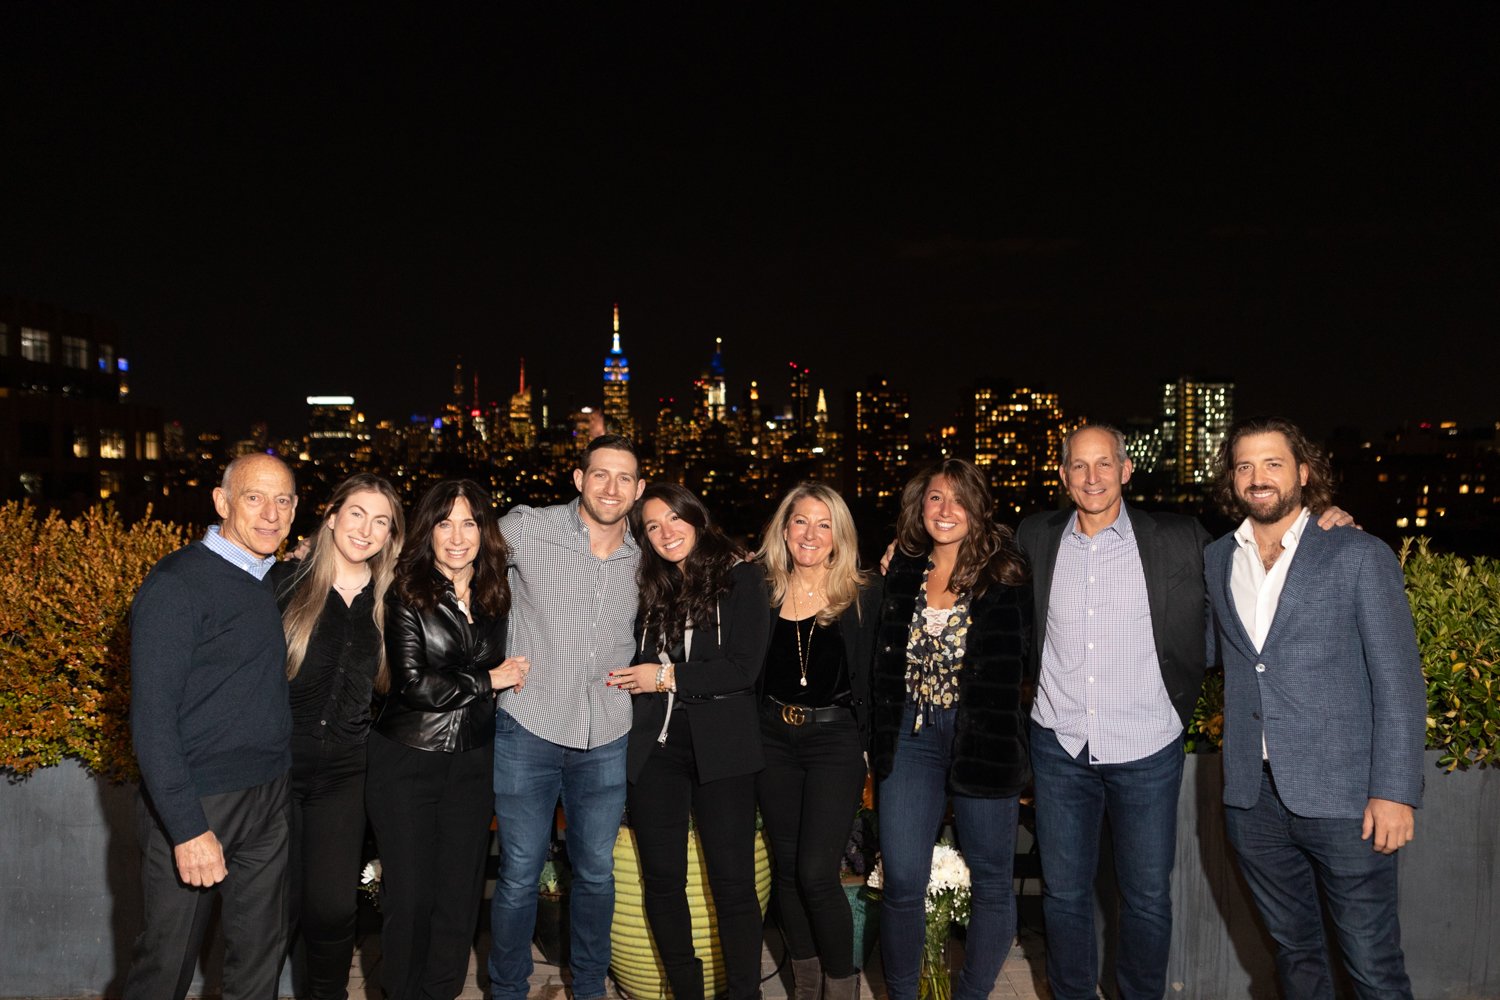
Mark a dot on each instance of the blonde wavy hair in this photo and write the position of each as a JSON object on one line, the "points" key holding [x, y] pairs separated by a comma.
{"points": [[845, 578], [316, 575]]}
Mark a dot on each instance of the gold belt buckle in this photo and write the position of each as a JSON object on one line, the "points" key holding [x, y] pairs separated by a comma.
{"points": [[794, 715]]}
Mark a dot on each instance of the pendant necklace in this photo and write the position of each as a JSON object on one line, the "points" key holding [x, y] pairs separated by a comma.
{"points": [[802, 657]]}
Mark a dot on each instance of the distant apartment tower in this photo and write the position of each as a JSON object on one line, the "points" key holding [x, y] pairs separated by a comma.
{"points": [[617, 386], [68, 437], [1018, 435], [713, 392], [880, 440], [1195, 418], [522, 428], [332, 428], [801, 400]]}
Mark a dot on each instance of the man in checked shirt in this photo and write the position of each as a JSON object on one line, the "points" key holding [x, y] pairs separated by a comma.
{"points": [[1119, 658], [573, 604]]}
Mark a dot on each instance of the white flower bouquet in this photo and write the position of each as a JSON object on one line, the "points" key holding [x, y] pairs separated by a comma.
{"points": [[947, 903]]}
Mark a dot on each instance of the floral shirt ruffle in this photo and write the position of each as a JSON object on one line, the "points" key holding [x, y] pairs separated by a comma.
{"points": [[935, 653]]}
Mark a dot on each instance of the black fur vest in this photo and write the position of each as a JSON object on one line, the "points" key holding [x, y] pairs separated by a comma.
{"points": [[990, 757]]}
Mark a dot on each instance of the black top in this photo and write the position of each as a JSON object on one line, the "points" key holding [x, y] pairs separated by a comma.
{"points": [[208, 706], [332, 690], [827, 671]]}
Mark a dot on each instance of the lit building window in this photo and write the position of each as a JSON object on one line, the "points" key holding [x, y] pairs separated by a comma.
{"points": [[4, 339], [1402, 522], [36, 345], [149, 447], [111, 443], [106, 357], [80, 443], [75, 352], [110, 483]]}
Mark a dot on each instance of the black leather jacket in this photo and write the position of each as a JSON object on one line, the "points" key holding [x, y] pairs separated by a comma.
{"points": [[440, 697]]}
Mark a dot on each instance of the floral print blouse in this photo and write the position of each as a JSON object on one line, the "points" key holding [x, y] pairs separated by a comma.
{"points": [[935, 653]]}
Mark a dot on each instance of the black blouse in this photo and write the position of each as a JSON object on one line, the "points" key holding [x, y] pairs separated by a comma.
{"points": [[331, 693], [827, 671]]}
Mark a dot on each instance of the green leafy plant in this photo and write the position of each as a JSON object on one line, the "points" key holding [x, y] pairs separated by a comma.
{"points": [[1455, 604], [65, 593]]}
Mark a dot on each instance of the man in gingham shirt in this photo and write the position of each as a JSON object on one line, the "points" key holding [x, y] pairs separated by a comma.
{"points": [[573, 605]]}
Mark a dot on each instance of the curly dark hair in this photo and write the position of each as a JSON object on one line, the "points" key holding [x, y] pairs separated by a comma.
{"points": [[416, 585], [669, 598], [988, 554], [1317, 494]]}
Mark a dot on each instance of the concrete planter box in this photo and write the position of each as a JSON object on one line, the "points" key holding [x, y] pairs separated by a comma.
{"points": [[1449, 892], [70, 898]]}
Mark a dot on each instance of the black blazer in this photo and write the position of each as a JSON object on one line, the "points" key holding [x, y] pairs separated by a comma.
{"points": [[440, 697], [857, 626], [716, 686], [1171, 548], [990, 754]]}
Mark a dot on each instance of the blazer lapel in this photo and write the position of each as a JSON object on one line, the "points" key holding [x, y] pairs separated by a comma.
{"points": [[1231, 616], [1041, 570], [1299, 577], [1147, 545]]}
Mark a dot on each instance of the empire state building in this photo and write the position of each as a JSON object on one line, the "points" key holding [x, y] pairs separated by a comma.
{"points": [[617, 387]]}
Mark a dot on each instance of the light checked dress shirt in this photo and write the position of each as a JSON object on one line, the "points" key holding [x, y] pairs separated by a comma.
{"points": [[572, 615], [1100, 680], [254, 565]]}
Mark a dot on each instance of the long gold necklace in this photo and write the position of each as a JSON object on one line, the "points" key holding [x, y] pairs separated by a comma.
{"points": [[802, 657]]}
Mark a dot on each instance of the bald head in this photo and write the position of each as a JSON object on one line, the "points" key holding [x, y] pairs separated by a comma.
{"points": [[256, 502]]}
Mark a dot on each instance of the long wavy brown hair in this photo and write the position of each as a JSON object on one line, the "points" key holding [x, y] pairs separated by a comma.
{"points": [[988, 554], [671, 599], [416, 584], [1317, 494]]}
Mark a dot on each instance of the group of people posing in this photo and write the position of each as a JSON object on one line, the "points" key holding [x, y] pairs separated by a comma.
{"points": [[622, 656]]}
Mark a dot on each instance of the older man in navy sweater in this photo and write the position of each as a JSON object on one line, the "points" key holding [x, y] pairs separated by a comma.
{"points": [[211, 726]]}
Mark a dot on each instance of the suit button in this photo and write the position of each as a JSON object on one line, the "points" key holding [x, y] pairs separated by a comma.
{"points": [[1260, 668], [1255, 715]]}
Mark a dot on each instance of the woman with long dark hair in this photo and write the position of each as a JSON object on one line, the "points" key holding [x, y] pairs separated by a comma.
{"points": [[949, 718], [814, 726], [694, 742], [429, 789], [333, 610]]}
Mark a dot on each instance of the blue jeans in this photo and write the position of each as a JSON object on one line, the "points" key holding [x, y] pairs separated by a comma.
{"points": [[1285, 858], [530, 774], [1072, 798], [912, 798]]}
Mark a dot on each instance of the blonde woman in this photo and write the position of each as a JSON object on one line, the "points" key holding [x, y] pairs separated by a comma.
{"points": [[815, 726], [333, 610]]}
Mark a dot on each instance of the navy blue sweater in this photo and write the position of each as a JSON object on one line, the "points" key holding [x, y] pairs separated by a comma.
{"points": [[208, 692]]}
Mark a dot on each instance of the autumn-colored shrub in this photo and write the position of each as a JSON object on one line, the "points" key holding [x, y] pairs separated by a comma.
{"points": [[65, 593], [1455, 604]]}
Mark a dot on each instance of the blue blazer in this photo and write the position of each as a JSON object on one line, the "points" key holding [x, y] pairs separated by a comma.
{"points": [[1337, 690]]}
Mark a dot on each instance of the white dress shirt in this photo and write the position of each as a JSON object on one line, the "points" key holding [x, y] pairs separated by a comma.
{"points": [[1257, 590]]}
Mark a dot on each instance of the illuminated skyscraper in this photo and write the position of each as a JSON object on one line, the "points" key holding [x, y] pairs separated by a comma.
{"points": [[1018, 438], [522, 429], [1195, 418], [332, 428], [617, 386], [711, 387], [881, 441]]}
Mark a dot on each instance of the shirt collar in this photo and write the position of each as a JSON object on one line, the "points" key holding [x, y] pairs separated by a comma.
{"points": [[1245, 533], [1122, 527], [252, 564]]}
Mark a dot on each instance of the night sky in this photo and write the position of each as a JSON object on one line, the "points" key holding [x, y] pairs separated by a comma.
{"points": [[275, 200]]}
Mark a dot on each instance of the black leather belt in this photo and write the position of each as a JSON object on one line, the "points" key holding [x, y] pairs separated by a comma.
{"points": [[801, 715]]}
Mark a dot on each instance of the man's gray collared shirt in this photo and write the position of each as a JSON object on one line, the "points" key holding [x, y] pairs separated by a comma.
{"points": [[572, 615], [1100, 680]]}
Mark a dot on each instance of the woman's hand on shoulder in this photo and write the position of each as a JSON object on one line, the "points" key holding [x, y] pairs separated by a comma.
{"points": [[511, 673]]}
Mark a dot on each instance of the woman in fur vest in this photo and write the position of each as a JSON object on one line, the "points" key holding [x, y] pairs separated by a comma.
{"points": [[949, 719]]}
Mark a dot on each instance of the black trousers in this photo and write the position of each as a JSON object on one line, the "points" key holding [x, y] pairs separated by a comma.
{"points": [[431, 813], [328, 831], [253, 828], [724, 811], [808, 793]]}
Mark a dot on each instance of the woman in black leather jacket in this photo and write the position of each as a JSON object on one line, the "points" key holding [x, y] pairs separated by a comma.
{"points": [[430, 750], [695, 740]]}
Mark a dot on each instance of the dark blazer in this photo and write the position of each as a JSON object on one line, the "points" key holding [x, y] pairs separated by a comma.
{"points": [[1337, 689], [440, 697], [1171, 549], [857, 627], [716, 686], [990, 757]]}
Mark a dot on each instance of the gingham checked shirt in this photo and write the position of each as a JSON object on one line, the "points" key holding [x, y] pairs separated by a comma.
{"points": [[1100, 682], [573, 616]]}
